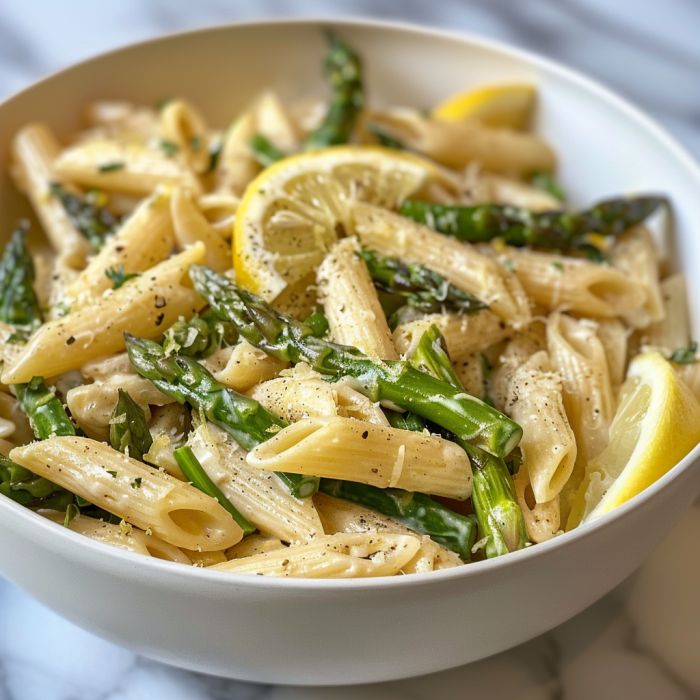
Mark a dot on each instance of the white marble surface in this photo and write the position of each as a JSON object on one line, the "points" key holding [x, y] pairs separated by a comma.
{"points": [[642, 641]]}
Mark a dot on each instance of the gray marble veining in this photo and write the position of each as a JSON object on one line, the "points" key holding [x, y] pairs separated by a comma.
{"points": [[640, 641]]}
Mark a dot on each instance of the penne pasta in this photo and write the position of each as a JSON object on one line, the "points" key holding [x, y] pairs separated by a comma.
{"points": [[351, 303], [182, 127], [579, 358], [344, 448], [129, 167], [459, 143], [242, 366], [534, 400], [460, 263], [144, 307], [259, 496], [191, 226], [635, 255], [253, 544], [34, 150], [332, 556], [673, 330], [123, 536], [542, 520], [574, 285], [143, 241], [464, 334], [151, 500]]}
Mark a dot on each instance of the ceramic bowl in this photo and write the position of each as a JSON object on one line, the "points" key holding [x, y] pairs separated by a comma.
{"points": [[352, 631]]}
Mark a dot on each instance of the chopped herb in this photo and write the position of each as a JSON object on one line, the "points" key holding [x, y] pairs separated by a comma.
{"points": [[384, 138], [264, 151], [118, 276], [170, 148], [111, 166], [72, 512], [684, 356], [547, 183], [215, 148], [112, 473], [136, 483], [196, 142], [558, 265]]}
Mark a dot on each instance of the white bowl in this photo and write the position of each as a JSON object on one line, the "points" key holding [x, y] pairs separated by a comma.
{"points": [[331, 632]]}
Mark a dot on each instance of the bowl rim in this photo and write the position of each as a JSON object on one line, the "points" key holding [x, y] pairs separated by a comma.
{"points": [[173, 570]]}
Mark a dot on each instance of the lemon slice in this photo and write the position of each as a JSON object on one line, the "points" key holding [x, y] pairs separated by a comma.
{"points": [[507, 105], [657, 423], [294, 211]]}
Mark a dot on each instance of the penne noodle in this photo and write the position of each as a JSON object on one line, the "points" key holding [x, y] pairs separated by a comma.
{"points": [[143, 241], [183, 126], [259, 496], [237, 165], [635, 254], [614, 338], [464, 334], [457, 144], [242, 366], [574, 285], [34, 150], [542, 520], [129, 167], [673, 330], [151, 500], [352, 450], [144, 307], [332, 556], [253, 544], [191, 226], [123, 536], [460, 263], [342, 516], [579, 358], [351, 303], [534, 400]]}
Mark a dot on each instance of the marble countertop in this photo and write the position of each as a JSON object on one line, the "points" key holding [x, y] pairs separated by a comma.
{"points": [[642, 640]]}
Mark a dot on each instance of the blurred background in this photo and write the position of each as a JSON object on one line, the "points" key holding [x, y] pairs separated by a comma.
{"points": [[645, 49]]}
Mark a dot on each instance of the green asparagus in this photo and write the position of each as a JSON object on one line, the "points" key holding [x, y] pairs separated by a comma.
{"points": [[128, 430], [415, 510], [553, 230], [200, 335], [193, 470], [499, 516], [343, 70], [317, 322], [265, 152], [45, 410], [18, 302], [94, 221], [422, 288], [392, 382], [23, 487], [384, 138], [185, 380], [118, 276]]}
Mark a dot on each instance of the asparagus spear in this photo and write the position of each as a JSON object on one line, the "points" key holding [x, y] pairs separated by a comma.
{"points": [[558, 230], [493, 493], [95, 222], [422, 288], [187, 381], [193, 470], [45, 410], [343, 70], [200, 336], [128, 431], [18, 303], [395, 382], [415, 510], [265, 152]]}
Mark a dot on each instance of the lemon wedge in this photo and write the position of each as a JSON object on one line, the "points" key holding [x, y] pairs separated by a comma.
{"points": [[294, 211], [506, 105], [656, 424]]}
